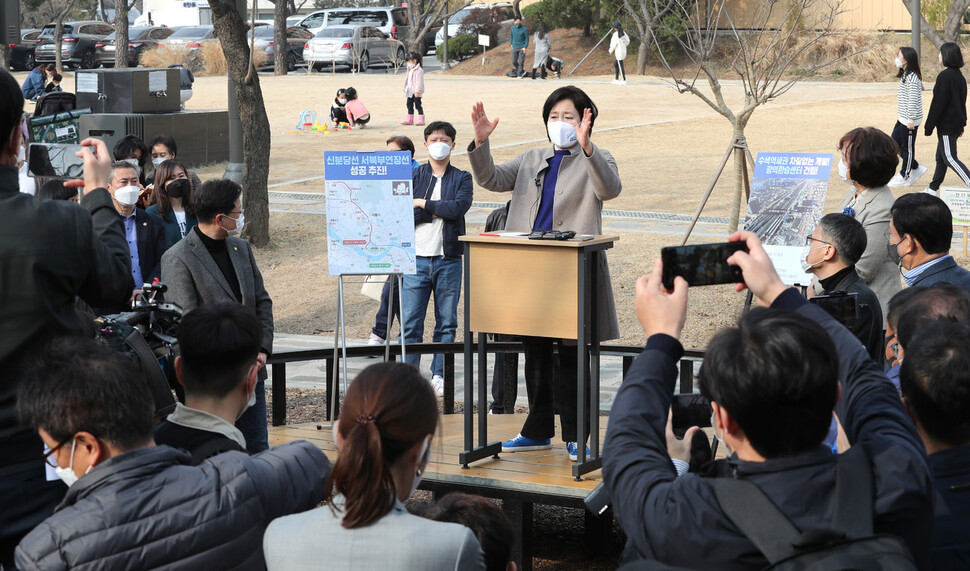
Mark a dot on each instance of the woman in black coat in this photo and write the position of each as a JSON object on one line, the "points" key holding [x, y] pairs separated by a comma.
{"points": [[948, 115]]}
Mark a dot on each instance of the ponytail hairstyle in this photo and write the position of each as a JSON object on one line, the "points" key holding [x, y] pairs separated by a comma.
{"points": [[388, 409], [912, 63]]}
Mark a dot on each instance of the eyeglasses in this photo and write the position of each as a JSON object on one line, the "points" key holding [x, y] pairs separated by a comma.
{"points": [[810, 239], [49, 458]]}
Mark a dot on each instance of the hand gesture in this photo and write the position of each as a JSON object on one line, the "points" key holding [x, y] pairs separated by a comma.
{"points": [[659, 310], [582, 133], [97, 166], [483, 127], [678, 447], [759, 273]]}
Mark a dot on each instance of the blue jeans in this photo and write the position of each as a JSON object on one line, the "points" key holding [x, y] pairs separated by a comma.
{"points": [[252, 423], [442, 277]]}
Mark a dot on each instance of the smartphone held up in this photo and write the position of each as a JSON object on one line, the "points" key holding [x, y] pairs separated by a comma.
{"points": [[55, 160], [701, 264]]}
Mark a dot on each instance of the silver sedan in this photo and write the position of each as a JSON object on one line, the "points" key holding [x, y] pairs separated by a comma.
{"points": [[358, 47]]}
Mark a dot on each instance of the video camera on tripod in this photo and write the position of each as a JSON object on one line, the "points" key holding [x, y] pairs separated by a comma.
{"points": [[148, 333]]}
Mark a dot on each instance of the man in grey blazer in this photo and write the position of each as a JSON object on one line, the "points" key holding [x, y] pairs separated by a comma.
{"points": [[211, 265], [920, 233]]}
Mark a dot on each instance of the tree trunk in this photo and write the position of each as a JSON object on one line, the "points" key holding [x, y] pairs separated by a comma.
{"points": [[121, 34], [59, 41], [954, 19], [925, 28], [281, 47], [231, 30], [643, 51], [738, 201]]}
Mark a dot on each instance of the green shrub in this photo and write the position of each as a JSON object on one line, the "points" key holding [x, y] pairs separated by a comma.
{"points": [[460, 48]]}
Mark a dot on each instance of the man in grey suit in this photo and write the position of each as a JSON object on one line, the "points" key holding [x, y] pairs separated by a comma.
{"points": [[212, 265], [920, 233]]}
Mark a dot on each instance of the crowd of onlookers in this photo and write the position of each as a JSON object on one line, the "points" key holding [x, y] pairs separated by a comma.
{"points": [[846, 440]]}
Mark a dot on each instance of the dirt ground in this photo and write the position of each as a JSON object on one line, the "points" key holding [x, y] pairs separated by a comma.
{"points": [[667, 146]]}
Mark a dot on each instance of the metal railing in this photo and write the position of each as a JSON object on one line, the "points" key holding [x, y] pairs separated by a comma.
{"points": [[279, 361]]}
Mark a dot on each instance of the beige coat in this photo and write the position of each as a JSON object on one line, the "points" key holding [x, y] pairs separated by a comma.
{"points": [[874, 267], [582, 186]]}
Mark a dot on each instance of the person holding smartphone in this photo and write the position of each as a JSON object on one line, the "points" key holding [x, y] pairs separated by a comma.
{"points": [[560, 186]]}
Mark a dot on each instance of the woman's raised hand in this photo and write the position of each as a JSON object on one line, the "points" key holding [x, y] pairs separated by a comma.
{"points": [[483, 127], [582, 133]]}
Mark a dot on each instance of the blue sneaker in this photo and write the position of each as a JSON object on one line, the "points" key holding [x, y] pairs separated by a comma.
{"points": [[522, 444], [571, 448]]}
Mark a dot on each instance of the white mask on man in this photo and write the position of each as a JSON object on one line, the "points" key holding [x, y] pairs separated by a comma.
{"points": [[439, 151], [127, 195]]}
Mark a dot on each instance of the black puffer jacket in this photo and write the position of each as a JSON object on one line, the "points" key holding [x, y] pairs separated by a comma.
{"points": [[148, 509]]}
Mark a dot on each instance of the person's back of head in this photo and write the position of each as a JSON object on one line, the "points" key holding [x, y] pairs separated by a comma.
{"points": [[388, 411], [351, 94], [950, 55], [131, 147], [926, 218], [939, 301], [846, 234], [79, 386], [55, 190], [488, 522], [218, 345], [215, 197], [871, 155], [935, 382], [776, 374], [11, 112]]}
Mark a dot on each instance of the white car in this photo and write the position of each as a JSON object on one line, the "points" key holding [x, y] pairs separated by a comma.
{"points": [[358, 47], [391, 21]]}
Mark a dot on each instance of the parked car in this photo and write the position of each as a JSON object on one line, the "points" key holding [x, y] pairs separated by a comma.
{"points": [[77, 44], [358, 47], [503, 10], [21, 56], [392, 21], [296, 38], [139, 41], [189, 39]]}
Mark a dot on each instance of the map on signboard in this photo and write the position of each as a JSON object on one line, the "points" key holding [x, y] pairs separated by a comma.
{"points": [[370, 213], [787, 201]]}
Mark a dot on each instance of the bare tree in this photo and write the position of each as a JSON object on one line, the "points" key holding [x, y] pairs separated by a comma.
{"points": [[231, 31], [424, 17], [281, 48], [647, 14], [59, 32], [951, 26], [761, 57]]}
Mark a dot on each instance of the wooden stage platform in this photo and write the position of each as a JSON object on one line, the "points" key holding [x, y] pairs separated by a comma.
{"points": [[520, 479]]}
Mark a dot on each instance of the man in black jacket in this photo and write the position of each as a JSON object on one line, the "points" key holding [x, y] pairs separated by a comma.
{"points": [[134, 505], [219, 345], [920, 232], [51, 251], [833, 249], [935, 380], [772, 382]]}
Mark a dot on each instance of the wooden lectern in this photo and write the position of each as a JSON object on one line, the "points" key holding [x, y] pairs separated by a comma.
{"points": [[543, 288]]}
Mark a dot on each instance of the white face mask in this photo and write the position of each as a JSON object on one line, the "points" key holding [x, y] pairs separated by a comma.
{"points": [[720, 437], [342, 101], [240, 222], [899, 63], [439, 151], [67, 474], [844, 171], [418, 470], [410, 66], [806, 266], [562, 134], [128, 195], [158, 160]]}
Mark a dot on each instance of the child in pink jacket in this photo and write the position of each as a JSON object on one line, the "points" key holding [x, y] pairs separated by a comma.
{"points": [[414, 89], [357, 114]]}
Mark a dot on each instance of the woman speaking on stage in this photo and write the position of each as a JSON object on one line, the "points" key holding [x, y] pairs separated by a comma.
{"points": [[560, 186]]}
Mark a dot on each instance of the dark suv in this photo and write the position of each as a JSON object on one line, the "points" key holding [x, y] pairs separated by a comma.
{"points": [[78, 43]]}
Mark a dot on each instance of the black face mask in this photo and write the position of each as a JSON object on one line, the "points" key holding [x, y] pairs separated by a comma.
{"points": [[177, 188]]}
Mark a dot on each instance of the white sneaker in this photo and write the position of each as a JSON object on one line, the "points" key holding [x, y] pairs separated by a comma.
{"points": [[615, 82], [438, 384], [931, 192], [897, 180], [375, 340], [621, 82], [915, 174]]}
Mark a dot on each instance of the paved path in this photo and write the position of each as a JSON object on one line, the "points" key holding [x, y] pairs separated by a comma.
{"points": [[312, 374]]}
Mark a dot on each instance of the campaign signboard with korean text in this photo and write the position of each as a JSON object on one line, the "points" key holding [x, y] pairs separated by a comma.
{"points": [[370, 212], [787, 200]]}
